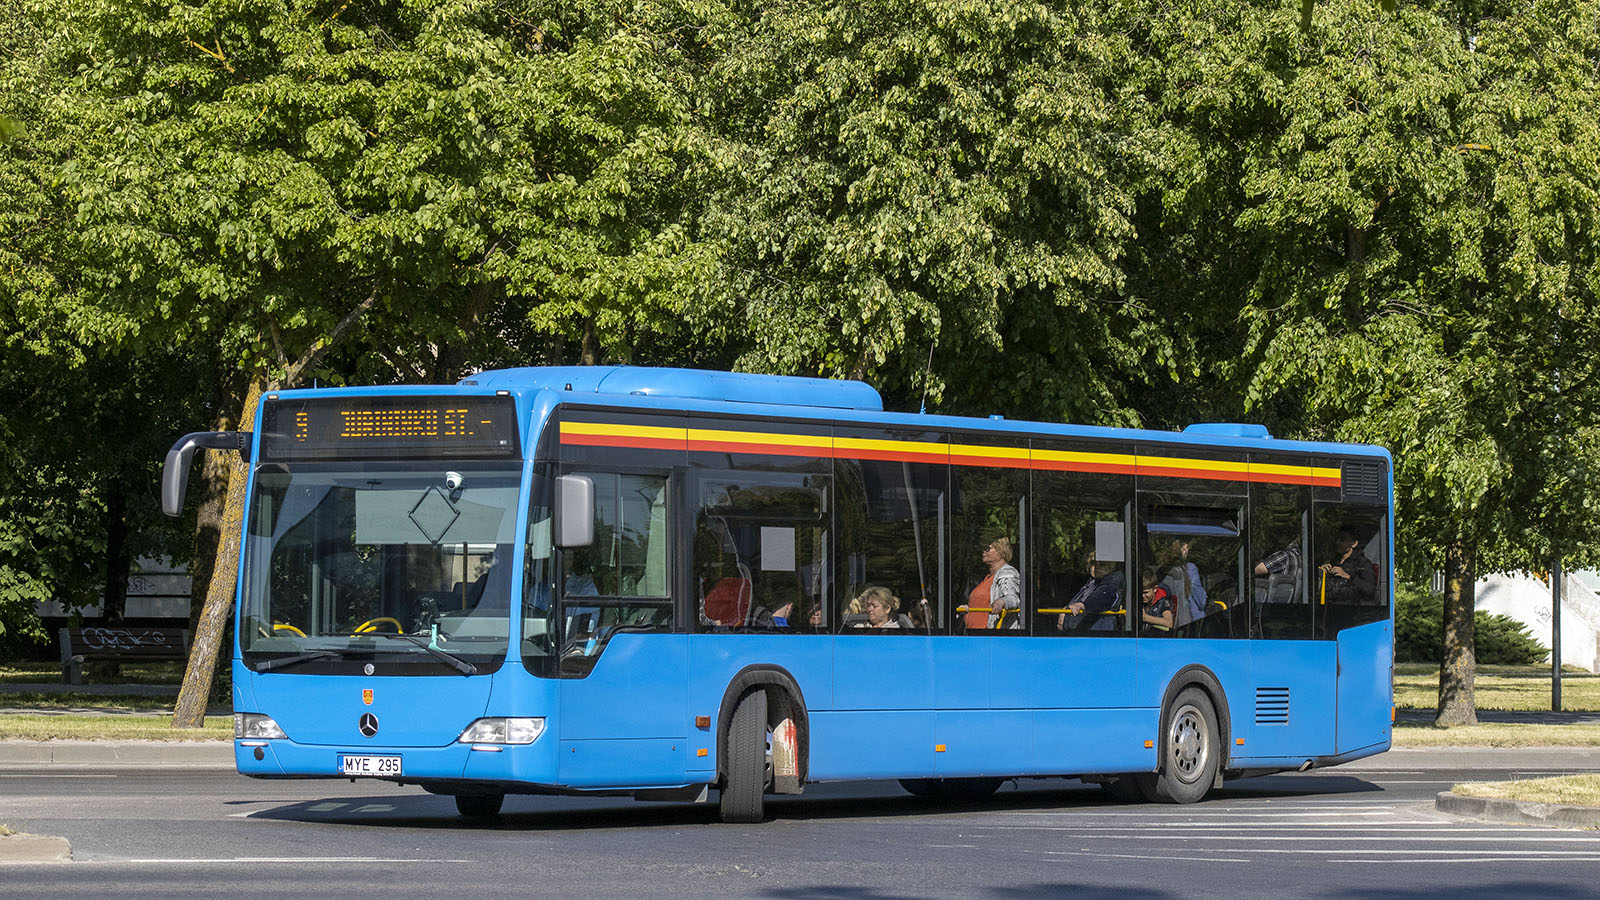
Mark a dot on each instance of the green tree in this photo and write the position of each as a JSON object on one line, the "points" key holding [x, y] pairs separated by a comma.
{"points": [[415, 187], [1405, 207], [895, 178]]}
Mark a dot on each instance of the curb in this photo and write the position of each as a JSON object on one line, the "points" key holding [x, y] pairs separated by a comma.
{"points": [[1518, 811], [116, 754], [34, 848]]}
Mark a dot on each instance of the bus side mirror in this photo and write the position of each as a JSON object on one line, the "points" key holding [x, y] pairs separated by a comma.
{"points": [[574, 514], [175, 472]]}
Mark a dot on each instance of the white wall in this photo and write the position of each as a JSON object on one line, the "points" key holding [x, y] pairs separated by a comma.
{"points": [[1527, 599]]}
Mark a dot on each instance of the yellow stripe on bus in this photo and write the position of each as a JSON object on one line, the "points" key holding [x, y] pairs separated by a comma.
{"points": [[760, 437], [653, 432]]}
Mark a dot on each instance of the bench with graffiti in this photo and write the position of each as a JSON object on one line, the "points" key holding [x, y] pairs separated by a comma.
{"points": [[118, 644]]}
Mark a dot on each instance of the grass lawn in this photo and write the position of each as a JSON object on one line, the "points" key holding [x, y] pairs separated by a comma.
{"points": [[1498, 734], [109, 702], [27, 727], [1568, 790], [170, 672], [1416, 686]]}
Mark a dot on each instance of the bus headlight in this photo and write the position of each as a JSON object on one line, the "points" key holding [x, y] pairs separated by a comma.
{"points": [[503, 730], [256, 726]]}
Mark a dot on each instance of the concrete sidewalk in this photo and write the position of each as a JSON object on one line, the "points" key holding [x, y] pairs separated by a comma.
{"points": [[23, 755]]}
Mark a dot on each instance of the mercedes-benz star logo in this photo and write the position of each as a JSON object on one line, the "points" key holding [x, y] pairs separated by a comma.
{"points": [[368, 725]]}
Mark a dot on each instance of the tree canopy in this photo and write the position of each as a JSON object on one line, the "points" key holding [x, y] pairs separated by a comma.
{"points": [[1381, 226]]}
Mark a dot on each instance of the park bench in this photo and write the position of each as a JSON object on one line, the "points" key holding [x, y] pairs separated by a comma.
{"points": [[118, 644]]}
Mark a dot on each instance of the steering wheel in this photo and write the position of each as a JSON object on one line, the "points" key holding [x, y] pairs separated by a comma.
{"points": [[277, 627], [372, 625]]}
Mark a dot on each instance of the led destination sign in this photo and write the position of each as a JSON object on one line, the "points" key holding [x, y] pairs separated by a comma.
{"points": [[328, 428]]}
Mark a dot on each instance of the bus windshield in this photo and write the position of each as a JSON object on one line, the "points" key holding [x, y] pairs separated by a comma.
{"points": [[405, 566]]}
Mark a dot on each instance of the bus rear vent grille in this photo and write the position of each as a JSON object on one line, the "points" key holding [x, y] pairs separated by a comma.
{"points": [[1364, 481], [1272, 706]]}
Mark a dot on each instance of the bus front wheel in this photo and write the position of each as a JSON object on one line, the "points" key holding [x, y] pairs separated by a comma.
{"points": [[1190, 751], [744, 783]]}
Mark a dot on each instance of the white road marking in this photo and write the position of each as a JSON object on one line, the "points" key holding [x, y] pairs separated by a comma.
{"points": [[273, 860], [59, 776]]}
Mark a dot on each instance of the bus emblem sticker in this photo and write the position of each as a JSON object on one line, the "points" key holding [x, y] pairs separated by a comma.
{"points": [[368, 725], [366, 696]]}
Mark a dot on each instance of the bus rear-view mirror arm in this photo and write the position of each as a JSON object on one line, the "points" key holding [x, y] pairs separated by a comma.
{"points": [[574, 514], [175, 472]]}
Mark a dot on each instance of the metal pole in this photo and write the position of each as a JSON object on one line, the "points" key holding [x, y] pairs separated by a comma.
{"points": [[1555, 635]]}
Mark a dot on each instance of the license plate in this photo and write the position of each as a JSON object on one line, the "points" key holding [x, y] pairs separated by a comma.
{"points": [[370, 766]]}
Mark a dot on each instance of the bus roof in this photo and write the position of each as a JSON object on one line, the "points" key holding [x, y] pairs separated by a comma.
{"points": [[846, 401]]}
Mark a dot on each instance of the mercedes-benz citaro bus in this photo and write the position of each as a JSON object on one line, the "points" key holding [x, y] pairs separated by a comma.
{"points": [[658, 582]]}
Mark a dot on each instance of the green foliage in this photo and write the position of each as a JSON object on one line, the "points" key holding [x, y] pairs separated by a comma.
{"points": [[894, 177], [1382, 227], [1500, 640]]}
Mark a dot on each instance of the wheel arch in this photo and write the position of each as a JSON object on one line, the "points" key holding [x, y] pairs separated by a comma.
{"points": [[785, 700], [1196, 675]]}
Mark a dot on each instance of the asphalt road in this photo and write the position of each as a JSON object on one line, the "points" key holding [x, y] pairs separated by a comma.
{"points": [[1368, 833]]}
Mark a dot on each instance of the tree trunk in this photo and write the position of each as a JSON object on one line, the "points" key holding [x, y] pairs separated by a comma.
{"points": [[212, 628], [212, 486], [590, 354], [118, 559], [213, 624], [1456, 706]]}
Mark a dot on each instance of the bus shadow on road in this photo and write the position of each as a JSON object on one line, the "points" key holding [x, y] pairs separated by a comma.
{"points": [[828, 801]]}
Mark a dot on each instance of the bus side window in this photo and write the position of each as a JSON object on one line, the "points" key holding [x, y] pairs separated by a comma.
{"points": [[760, 551], [892, 518], [1080, 540], [1347, 571], [988, 562], [1279, 533]]}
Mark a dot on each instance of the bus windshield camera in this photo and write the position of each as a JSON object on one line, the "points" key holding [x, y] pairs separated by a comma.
{"points": [[452, 481]]}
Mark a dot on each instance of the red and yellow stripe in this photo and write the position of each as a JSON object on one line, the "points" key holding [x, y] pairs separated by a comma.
{"points": [[765, 443]]}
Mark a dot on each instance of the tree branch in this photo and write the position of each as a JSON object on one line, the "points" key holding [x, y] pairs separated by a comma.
{"points": [[313, 354]]}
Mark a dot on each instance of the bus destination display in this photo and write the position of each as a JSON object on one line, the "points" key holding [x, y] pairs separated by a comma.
{"points": [[328, 428]]}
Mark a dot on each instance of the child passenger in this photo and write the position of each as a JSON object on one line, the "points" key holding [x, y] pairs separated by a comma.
{"points": [[1157, 607]]}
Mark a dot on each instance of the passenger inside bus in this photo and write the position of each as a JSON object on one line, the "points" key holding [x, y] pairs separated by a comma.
{"points": [[996, 602], [1182, 581], [1097, 604], [1278, 575], [1157, 609], [1348, 578], [879, 609]]}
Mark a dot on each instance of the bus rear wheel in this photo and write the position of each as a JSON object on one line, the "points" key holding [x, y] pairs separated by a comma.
{"points": [[479, 806], [744, 783], [1190, 751]]}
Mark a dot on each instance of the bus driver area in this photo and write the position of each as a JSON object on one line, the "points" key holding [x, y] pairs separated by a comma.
{"points": [[656, 581]]}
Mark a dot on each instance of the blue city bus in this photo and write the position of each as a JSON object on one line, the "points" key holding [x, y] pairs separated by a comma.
{"points": [[659, 582]]}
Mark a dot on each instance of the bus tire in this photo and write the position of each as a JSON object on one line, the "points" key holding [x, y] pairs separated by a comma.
{"points": [[921, 787], [479, 806], [1191, 751], [744, 783]]}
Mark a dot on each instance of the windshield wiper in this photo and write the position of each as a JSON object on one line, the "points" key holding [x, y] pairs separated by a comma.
{"points": [[454, 662], [282, 662]]}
